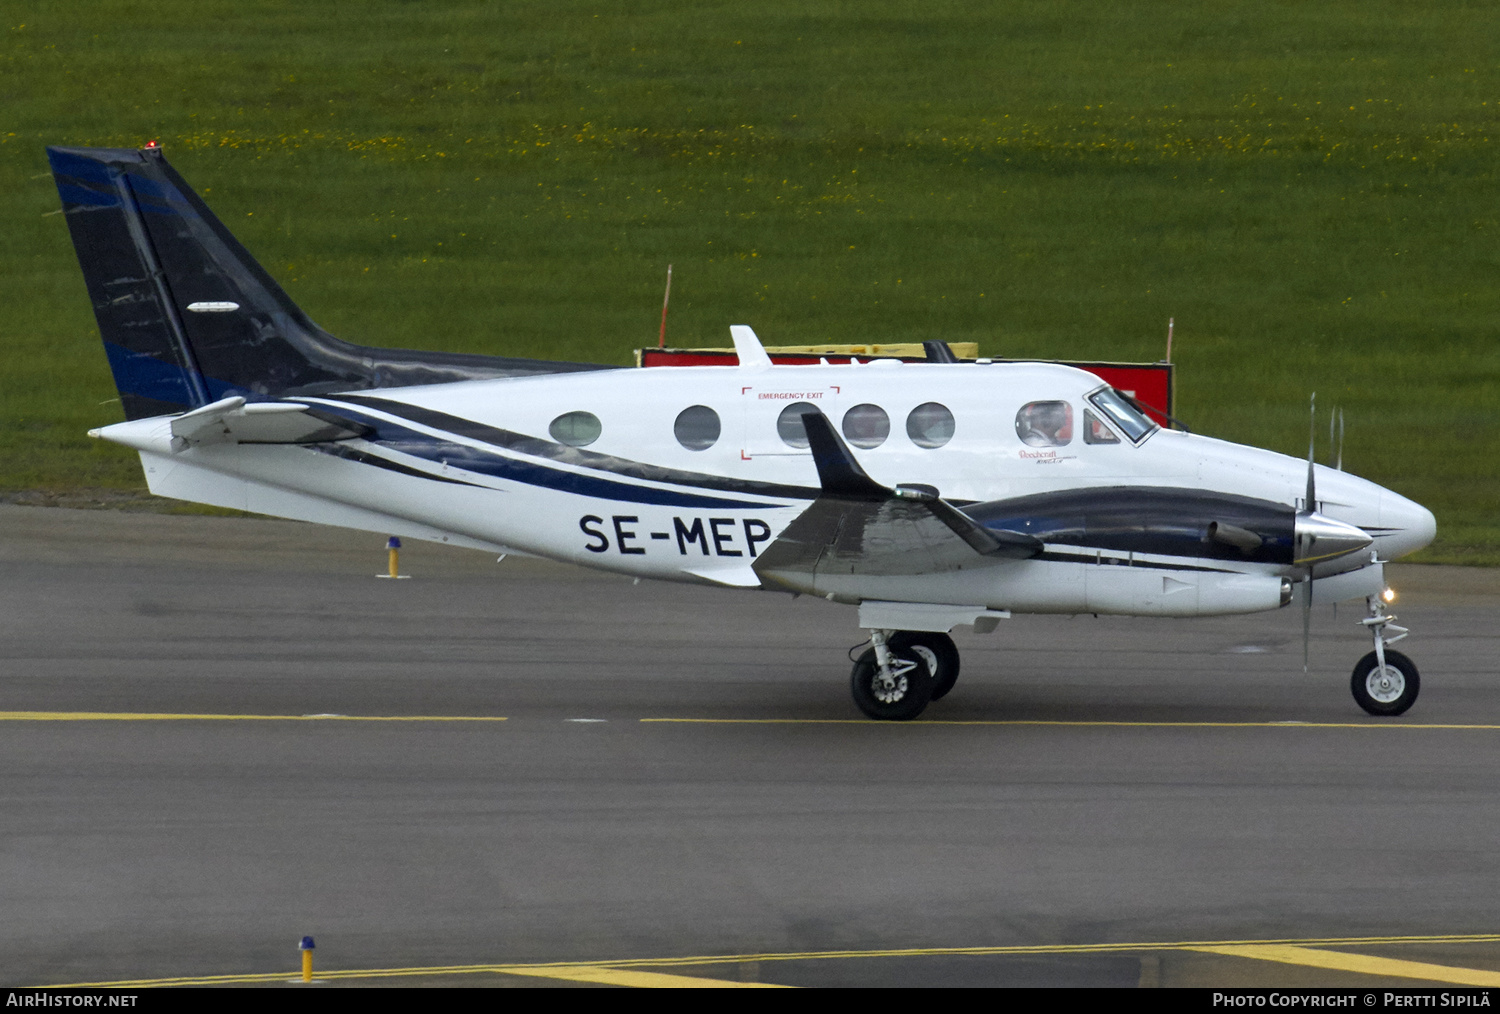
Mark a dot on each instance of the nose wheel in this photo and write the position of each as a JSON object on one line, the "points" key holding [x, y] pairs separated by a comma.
{"points": [[1385, 688], [1385, 682]]}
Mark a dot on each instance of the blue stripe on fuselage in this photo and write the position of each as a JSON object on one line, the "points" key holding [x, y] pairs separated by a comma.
{"points": [[396, 437]]}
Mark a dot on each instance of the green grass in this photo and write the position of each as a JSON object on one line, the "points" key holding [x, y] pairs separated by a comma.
{"points": [[1309, 189]]}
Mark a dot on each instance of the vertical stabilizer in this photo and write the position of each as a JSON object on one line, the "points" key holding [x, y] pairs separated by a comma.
{"points": [[144, 334], [187, 315]]}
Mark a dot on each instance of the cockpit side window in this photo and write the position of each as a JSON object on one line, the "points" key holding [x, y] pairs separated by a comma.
{"points": [[1094, 430], [1125, 416], [1045, 424]]}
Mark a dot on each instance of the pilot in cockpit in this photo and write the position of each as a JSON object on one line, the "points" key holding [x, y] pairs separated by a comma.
{"points": [[1045, 424]]}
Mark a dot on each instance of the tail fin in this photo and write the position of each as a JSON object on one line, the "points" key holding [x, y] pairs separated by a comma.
{"points": [[187, 315]]}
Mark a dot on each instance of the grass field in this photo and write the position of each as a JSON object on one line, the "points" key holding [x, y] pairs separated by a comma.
{"points": [[1309, 189]]}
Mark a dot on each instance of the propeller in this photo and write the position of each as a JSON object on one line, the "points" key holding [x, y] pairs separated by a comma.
{"points": [[1336, 421], [1309, 506], [1318, 537], [1339, 460]]}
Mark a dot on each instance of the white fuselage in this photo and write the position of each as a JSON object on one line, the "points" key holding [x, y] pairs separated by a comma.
{"points": [[635, 500]]}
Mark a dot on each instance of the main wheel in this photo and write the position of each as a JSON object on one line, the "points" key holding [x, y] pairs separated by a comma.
{"points": [[937, 650], [898, 698], [1389, 690]]}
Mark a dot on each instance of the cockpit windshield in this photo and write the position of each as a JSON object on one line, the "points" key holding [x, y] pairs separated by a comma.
{"points": [[1126, 417]]}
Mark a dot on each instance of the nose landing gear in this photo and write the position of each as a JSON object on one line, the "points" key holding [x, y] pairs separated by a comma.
{"points": [[1384, 682]]}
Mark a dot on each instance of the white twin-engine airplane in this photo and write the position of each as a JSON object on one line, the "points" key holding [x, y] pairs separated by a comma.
{"points": [[929, 495]]}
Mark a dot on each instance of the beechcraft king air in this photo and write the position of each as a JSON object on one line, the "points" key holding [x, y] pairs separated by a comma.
{"points": [[928, 495]]}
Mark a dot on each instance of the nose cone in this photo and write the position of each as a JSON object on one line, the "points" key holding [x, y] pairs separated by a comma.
{"points": [[1319, 537], [1405, 526]]}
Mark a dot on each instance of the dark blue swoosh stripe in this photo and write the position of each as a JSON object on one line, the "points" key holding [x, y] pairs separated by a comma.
{"points": [[535, 447], [473, 459]]}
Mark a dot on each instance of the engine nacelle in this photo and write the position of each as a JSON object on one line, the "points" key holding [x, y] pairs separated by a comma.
{"points": [[1138, 590]]}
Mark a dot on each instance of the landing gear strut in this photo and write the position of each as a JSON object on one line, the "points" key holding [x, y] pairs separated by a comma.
{"points": [[893, 685], [1385, 682], [901, 671]]}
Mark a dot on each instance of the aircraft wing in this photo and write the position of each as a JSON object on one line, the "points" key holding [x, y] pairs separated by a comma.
{"points": [[858, 526], [232, 420]]}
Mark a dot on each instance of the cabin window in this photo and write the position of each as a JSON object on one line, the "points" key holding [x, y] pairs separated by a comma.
{"points": [[1094, 430], [697, 428], [789, 424], [930, 425], [576, 429], [866, 426], [1130, 420], [1045, 424]]}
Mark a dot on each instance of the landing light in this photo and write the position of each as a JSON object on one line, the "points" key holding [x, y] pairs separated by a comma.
{"points": [[1388, 596]]}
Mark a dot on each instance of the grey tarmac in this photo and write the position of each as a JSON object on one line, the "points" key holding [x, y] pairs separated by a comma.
{"points": [[1229, 797]]}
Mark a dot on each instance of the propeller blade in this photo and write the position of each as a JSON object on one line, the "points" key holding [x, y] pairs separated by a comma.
{"points": [[1310, 507], [1340, 463], [1307, 600], [1312, 428]]}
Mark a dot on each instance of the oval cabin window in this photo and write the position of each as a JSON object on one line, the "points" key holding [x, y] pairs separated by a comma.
{"points": [[866, 426], [697, 428], [576, 429], [930, 425], [789, 424]]}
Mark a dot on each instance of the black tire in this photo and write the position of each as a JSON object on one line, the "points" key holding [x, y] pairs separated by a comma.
{"points": [[902, 701], [1388, 693], [938, 651]]}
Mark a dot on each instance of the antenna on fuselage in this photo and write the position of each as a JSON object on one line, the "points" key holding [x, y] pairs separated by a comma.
{"points": [[748, 347], [1170, 322], [661, 340]]}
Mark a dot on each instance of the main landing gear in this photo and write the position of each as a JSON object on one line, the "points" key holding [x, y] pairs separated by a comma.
{"points": [[904, 670], [901, 671], [1384, 682]]}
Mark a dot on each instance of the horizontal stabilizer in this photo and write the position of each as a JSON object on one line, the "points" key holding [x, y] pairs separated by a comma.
{"points": [[939, 352], [232, 420]]}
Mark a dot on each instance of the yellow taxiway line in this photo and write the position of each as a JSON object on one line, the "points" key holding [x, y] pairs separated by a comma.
{"points": [[631, 977], [163, 716], [1362, 963], [923, 723], [638, 971], [152, 716]]}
